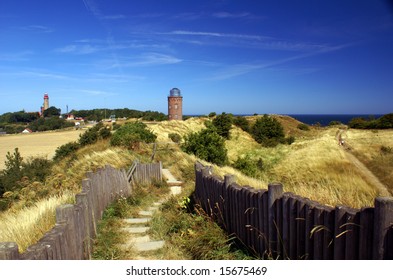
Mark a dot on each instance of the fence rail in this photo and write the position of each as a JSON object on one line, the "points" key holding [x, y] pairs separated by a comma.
{"points": [[286, 226], [76, 224]]}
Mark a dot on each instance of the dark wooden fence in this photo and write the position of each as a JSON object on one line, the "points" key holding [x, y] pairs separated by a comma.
{"points": [[76, 224], [280, 225], [144, 173]]}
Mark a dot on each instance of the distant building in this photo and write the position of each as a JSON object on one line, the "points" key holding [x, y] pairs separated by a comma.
{"points": [[175, 105], [46, 101], [46, 104], [27, 130]]}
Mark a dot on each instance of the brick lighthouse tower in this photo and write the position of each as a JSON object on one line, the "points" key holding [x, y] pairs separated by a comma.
{"points": [[46, 104], [46, 101], [175, 105]]}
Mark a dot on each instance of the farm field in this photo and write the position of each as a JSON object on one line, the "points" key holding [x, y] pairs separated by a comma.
{"points": [[35, 144]]}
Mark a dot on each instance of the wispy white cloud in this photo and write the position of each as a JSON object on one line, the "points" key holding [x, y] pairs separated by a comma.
{"points": [[232, 15], [37, 28], [113, 17], [231, 71], [78, 49], [243, 41], [148, 59]]}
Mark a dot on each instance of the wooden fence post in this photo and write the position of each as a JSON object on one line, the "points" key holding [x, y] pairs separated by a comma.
{"points": [[275, 191], [65, 215], [366, 233], [82, 200], [9, 251], [383, 224]]}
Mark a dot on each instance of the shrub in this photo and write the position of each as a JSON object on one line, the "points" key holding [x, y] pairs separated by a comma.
{"points": [[12, 172], [175, 137], [268, 131], [334, 123], [37, 169], [223, 124], [89, 137], [66, 150], [248, 166], [130, 134], [303, 126], [386, 150], [242, 122], [206, 145], [104, 133], [289, 140]]}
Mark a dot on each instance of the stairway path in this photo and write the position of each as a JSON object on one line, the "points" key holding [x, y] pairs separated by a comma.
{"points": [[137, 227]]}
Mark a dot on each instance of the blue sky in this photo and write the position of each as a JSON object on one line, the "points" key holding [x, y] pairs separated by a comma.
{"points": [[248, 56]]}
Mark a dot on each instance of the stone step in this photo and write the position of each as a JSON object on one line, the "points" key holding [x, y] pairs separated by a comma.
{"points": [[149, 246], [175, 190], [145, 213], [136, 229], [137, 220]]}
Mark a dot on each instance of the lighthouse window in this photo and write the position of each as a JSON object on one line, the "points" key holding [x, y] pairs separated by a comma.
{"points": [[175, 106]]}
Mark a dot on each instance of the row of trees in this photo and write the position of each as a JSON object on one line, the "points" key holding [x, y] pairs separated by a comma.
{"points": [[100, 114], [384, 122]]}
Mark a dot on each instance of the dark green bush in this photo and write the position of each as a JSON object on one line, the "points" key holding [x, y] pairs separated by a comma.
{"points": [[242, 122], [130, 134], [37, 169], [175, 137], [290, 140], [303, 126], [89, 137], [248, 166], [66, 150], [206, 145], [104, 133], [268, 131], [334, 123], [223, 124], [12, 172]]}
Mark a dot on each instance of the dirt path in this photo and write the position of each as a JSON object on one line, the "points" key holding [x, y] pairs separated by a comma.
{"points": [[368, 175]]}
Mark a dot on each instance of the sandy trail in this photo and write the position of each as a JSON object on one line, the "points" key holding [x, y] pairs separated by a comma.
{"points": [[368, 175]]}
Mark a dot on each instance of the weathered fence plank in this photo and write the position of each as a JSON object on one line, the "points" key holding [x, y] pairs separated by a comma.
{"points": [[9, 251], [275, 191], [383, 224]]}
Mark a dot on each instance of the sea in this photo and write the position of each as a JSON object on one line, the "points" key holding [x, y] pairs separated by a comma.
{"points": [[324, 120]]}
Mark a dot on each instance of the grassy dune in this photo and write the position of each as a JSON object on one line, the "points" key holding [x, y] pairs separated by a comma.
{"points": [[315, 166]]}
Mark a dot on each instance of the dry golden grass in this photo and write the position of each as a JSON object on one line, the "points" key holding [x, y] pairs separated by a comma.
{"points": [[41, 144], [162, 129], [27, 226], [366, 146], [319, 169]]}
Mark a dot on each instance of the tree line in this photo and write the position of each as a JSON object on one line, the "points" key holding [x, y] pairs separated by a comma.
{"points": [[16, 122]]}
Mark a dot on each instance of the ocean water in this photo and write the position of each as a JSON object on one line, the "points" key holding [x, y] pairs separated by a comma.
{"points": [[324, 120]]}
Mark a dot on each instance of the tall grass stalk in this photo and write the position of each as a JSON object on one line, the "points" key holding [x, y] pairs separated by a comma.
{"points": [[27, 226]]}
